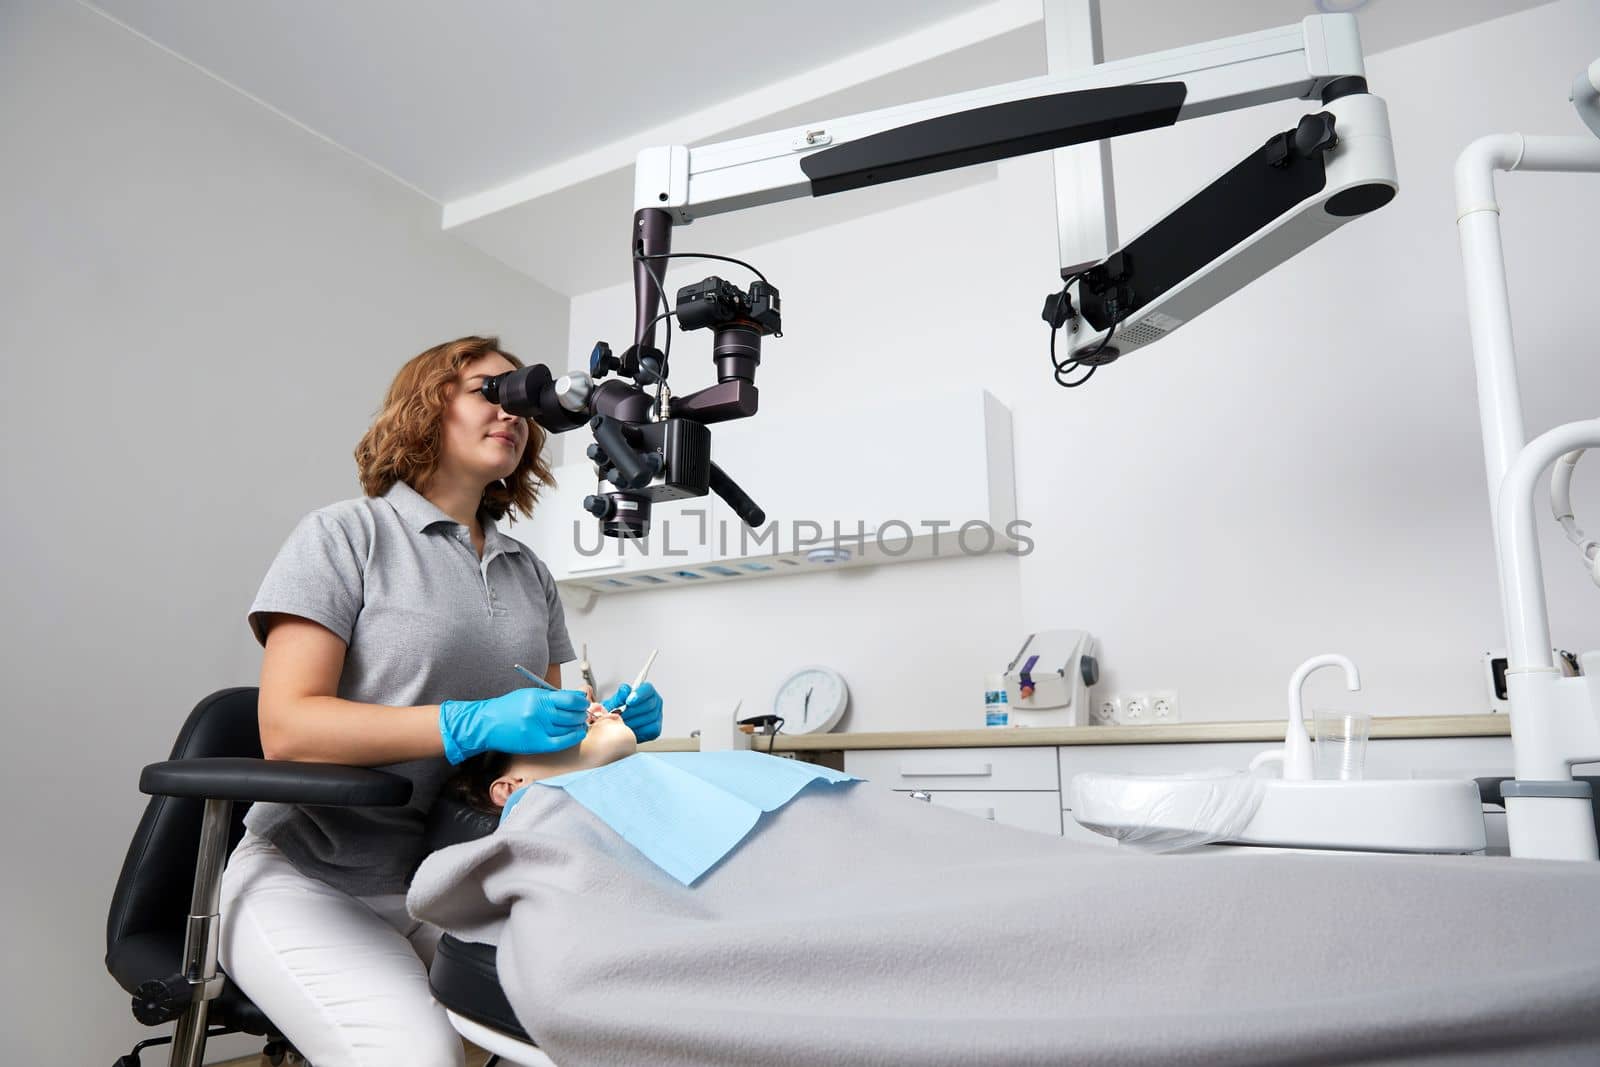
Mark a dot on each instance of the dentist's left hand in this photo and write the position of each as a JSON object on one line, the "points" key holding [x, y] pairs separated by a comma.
{"points": [[643, 713]]}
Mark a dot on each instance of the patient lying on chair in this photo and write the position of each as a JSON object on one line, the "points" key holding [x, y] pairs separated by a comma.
{"points": [[857, 927], [685, 812]]}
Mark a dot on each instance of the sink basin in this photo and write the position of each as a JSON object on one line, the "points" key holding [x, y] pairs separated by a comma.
{"points": [[1403, 815]]}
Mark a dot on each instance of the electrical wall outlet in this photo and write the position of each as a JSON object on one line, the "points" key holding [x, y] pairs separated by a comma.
{"points": [[1106, 711], [1164, 706], [1136, 710]]}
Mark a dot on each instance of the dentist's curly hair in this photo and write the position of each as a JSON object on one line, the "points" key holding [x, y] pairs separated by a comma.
{"points": [[405, 440]]}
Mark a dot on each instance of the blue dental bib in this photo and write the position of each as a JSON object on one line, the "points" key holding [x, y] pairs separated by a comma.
{"points": [[685, 811]]}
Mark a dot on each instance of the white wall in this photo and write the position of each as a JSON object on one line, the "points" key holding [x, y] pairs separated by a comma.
{"points": [[200, 305], [1297, 472], [200, 308]]}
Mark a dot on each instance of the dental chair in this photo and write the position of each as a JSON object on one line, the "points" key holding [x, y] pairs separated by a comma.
{"points": [[165, 954]]}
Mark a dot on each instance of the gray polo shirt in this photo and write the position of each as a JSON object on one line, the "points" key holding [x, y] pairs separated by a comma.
{"points": [[424, 620]]}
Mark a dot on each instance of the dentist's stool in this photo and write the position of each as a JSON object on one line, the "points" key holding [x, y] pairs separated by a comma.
{"points": [[161, 933]]}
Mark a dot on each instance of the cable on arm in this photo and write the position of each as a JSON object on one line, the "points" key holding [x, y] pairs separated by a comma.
{"points": [[1561, 507], [667, 305], [1058, 311], [704, 255]]}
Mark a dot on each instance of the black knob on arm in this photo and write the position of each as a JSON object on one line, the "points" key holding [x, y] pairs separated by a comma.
{"points": [[635, 469]]}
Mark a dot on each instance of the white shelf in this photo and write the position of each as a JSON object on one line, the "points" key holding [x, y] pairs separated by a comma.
{"points": [[897, 489]]}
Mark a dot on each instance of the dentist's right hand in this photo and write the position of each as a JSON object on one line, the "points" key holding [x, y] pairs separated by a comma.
{"points": [[522, 721]]}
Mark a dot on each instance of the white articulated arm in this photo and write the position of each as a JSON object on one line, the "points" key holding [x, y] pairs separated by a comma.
{"points": [[1292, 62], [1555, 721], [1585, 96], [1337, 164]]}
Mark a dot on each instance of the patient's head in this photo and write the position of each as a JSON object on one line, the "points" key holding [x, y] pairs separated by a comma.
{"points": [[486, 782]]}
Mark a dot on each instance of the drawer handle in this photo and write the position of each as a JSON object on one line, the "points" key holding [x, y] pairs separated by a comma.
{"points": [[946, 770]]}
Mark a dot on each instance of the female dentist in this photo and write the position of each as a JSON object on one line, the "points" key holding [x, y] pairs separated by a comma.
{"points": [[390, 622]]}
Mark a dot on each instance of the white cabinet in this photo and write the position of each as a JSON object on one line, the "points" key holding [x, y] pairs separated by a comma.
{"points": [[956, 768], [1038, 811], [1031, 787], [859, 481], [1014, 786]]}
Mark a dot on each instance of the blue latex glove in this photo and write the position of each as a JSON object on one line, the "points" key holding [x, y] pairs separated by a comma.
{"points": [[524, 720], [643, 713]]}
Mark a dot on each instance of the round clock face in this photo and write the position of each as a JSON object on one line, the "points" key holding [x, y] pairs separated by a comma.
{"points": [[811, 700]]}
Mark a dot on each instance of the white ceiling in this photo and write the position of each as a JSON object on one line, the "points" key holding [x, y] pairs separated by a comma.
{"points": [[456, 97], [521, 117]]}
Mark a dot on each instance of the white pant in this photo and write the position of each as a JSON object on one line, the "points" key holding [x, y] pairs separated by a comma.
{"points": [[345, 978]]}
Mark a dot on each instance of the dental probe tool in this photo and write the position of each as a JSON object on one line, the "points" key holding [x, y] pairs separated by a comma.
{"points": [[534, 678], [637, 682]]}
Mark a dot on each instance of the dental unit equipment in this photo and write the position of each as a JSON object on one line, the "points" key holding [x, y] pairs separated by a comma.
{"points": [[1048, 681], [1295, 755], [1167, 812], [587, 674], [1555, 720]]}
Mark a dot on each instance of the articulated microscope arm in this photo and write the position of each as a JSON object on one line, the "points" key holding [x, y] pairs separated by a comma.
{"points": [[1301, 185], [1337, 163]]}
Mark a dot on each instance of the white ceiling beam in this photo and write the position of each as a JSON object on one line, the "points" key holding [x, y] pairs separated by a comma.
{"points": [[941, 38]]}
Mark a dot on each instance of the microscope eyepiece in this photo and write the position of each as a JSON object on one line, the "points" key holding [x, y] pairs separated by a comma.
{"points": [[491, 388]]}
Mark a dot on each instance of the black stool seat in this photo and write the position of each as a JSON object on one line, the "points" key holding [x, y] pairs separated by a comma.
{"points": [[464, 979]]}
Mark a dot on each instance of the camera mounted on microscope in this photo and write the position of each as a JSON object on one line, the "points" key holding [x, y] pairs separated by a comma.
{"points": [[738, 319]]}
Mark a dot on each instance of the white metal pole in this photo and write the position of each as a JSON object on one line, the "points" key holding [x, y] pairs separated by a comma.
{"points": [[1086, 207], [1488, 303], [1494, 354], [1554, 720]]}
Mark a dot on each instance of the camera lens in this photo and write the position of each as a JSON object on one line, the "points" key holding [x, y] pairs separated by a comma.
{"points": [[736, 351]]}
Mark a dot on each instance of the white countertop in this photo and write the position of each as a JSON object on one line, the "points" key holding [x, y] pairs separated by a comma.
{"points": [[1179, 733]]}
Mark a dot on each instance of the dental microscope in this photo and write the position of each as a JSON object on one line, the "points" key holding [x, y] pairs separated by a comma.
{"points": [[1301, 184]]}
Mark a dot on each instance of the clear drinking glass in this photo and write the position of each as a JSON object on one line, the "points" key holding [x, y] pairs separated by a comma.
{"points": [[1339, 744]]}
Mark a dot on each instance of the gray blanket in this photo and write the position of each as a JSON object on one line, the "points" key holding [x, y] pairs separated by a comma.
{"points": [[858, 926]]}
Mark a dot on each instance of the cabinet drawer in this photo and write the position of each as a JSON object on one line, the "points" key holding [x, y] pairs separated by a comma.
{"points": [[1038, 811], [956, 768]]}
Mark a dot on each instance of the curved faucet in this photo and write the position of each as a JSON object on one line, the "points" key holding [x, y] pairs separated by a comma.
{"points": [[1295, 755], [1296, 743]]}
